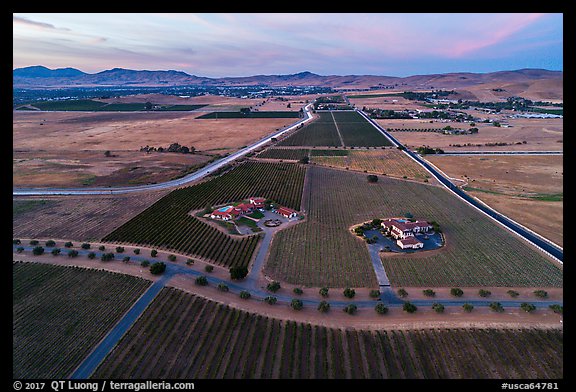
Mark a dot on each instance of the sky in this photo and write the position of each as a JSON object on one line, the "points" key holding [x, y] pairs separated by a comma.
{"points": [[244, 44]]}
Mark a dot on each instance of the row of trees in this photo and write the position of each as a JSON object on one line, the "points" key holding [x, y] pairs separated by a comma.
{"points": [[174, 147]]}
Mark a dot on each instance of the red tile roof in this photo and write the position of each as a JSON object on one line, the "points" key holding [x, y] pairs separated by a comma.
{"points": [[286, 211], [410, 241]]}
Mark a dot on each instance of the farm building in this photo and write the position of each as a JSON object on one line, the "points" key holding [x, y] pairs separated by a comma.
{"points": [[409, 242], [258, 202], [403, 228], [286, 212]]}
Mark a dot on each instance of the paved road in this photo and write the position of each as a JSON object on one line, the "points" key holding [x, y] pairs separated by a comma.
{"points": [[503, 153], [168, 184], [545, 245]]}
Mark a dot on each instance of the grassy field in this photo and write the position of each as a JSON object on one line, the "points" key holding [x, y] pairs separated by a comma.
{"points": [[91, 105], [389, 161], [271, 114], [167, 224], [478, 252], [182, 336], [61, 313]]}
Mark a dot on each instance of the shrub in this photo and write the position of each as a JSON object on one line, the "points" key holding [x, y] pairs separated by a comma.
{"points": [[270, 300], [429, 293], [245, 294], [323, 306], [126, 259], [56, 251], [273, 286], [91, 255], [323, 291], [223, 287], [101, 247], [145, 263], [439, 308], [527, 307], [209, 268], [85, 246], [37, 251], [380, 308], [468, 307], [33, 242], [172, 257], [541, 294], [136, 251], [189, 262], [456, 292], [119, 249], [513, 293], [484, 293], [153, 253], [50, 243], [19, 249], [409, 307], [402, 293], [16, 242], [372, 178], [238, 272], [557, 308], [201, 280], [107, 256], [374, 293], [350, 309], [68, 244], [497, 307], [72, 253], [298, 291], [296, 304], [349, 293]]}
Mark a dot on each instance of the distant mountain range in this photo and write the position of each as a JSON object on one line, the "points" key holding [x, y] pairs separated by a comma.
{"points": [[40, 76]]}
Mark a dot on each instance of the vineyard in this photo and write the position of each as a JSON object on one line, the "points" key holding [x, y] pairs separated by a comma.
{"points": [[329, 153], [61, 313], [358, 132], [390, 161], [320, 132], [294, 154], [182, 336], [321, 251], [270, 114], [167, 224]]}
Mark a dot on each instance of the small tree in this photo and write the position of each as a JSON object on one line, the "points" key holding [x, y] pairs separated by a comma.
{"points": [[153, 253], [223, 287], [350, 309], [541, 294], [157, 268], [513, 293], [323, 307], [374, 293], [107, 256], [72, 253], [497, 307], [238, 272], [20, 249], [172, 257], [101, 247], [298, 291], [372, 178], [209, 268], [484, 293], [136, 251], [119, 249], [245, 294], [126, 259], [439, 308], [145, 263], [380, 308], [37, 251], [409, 307], [34, 242], [68, 244], [273, 286], [189, 262], [557, 308], [55, 251], [296, 304], [91, 255], [468, 307], [456, 292], [402, 293], [270, 300], [527, 307], [85, 246], [323, 291], [16, 242], [107, 154], [349, 293], [429, 293], [201, 280], [50, 243]]}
